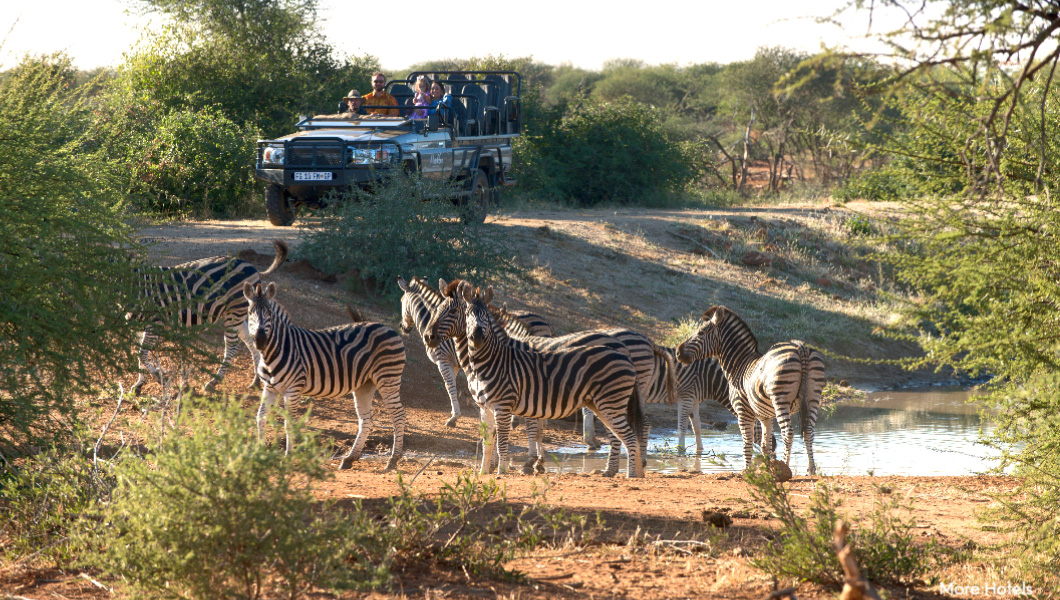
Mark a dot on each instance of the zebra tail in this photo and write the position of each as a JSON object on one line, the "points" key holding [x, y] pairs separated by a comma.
{"points": [[281, 255], [804, 388], [671, 373], [635, 414]]}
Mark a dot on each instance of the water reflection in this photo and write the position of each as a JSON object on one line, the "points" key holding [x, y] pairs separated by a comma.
{"points": [[909, 432]]}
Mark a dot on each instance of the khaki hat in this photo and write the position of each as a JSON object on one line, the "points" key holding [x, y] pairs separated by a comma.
{"points": [[352, 94]]}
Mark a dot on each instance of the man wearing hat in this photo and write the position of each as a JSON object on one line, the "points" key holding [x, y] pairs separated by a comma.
{"points": [[352, 102]]}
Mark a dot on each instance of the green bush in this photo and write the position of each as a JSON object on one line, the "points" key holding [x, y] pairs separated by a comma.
{"points": [[42, 502], [588, 153], [64, 253], [218, 514], [404, 227], [878, 184], [883, 548]]}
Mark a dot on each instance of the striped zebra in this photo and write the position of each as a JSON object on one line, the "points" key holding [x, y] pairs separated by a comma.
{"points": [[448, 323], [698, 381], [207, 290], [418, 301], [549, 384], [761, 386], [358, 359]]}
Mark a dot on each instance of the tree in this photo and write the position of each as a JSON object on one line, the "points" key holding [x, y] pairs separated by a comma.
{"points": [[258, 61], [64, 255], [976, 82]]}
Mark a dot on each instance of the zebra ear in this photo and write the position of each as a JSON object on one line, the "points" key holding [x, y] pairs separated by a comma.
{"points": [[403, 285], [487, 296], [270, 290], [468, 293], [442, 284], [248, 291], [709, 314]]}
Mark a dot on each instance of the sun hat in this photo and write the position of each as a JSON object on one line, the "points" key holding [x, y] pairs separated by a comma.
{"points": [[352, 94]]}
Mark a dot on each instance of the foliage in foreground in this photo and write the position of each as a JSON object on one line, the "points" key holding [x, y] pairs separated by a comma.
{"points": [[216, 513], [884, 547], [404, 227], [63, 255]]}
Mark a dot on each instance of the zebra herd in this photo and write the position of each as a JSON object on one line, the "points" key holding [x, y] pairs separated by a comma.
{"points": [[513, 363]]}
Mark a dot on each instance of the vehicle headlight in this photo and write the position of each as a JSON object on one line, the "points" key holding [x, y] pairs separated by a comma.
{"points": [[272, 155], [368, 156]]}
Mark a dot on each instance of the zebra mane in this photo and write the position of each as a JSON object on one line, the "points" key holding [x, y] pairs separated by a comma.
{"points": [[422, 288], [509, 322], [729, 320], [451, 290]]}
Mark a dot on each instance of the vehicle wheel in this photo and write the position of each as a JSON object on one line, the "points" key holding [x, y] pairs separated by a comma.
{"points": [[495, 194], [477, 206], [276, 205]]}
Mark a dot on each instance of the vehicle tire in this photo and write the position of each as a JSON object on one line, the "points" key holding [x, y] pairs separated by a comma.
{"points": [[477, 206], [276, 205]]}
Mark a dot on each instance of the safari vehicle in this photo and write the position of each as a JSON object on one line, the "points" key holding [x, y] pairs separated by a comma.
{"points": [[468, 143]]}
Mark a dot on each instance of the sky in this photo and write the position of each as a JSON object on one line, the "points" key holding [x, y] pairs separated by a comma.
{"points": [[577, 32]]}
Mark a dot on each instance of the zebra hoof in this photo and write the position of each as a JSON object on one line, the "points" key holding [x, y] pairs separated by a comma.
{"points": [[392, 464], [348, 461], [609, 473], [528, 467], [540, 466], [451, 422], [210, 386], [135, 390]]}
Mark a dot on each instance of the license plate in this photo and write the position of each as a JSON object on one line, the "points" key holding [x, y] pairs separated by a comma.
{"points": [[312, 176]]}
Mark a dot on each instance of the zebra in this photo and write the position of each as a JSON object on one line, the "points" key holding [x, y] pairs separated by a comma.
{"points": [[358, 359], [418, 301], [201, 291], [549, 384], [695, 382], [761, 386], [448, 322]]}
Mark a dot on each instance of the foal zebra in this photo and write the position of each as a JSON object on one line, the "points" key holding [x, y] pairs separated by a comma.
{"points": [[418, 302], [207, 290], [514, 380], [360, 358], [762, 386]]}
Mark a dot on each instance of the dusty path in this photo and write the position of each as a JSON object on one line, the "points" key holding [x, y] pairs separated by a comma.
{"points": [[660, 506]]}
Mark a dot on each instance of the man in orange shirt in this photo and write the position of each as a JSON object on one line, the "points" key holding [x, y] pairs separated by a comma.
{"points": [[378, 96]]}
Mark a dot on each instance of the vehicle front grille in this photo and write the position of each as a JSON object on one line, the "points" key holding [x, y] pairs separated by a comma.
{"points": [[315, 156]]}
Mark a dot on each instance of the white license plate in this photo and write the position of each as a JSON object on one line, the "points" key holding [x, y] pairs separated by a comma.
{"points": [[312, 176]]}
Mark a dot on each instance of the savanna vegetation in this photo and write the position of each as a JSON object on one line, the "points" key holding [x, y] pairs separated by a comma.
{"points": [[957, 125]]}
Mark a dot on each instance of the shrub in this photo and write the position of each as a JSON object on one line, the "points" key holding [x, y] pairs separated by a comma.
{"points": [[877, 184], [596, 152], [883, 548], [404, 227], [218, 514], [64, 253], [42, 501]]}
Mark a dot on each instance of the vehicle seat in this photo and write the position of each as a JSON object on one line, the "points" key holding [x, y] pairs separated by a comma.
{"points": [[473, 90], [404, 96]]}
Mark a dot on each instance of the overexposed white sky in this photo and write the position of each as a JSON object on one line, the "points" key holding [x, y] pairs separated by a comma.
{"points": [[582, 33]]}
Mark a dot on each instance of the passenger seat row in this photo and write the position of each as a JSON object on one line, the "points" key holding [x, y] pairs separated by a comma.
{"points": [[479, 107]]}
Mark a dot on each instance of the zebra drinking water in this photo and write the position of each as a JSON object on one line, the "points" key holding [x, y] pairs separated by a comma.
{"points": [[207, 290], [549, 385], [761, 386], [357, 359]]}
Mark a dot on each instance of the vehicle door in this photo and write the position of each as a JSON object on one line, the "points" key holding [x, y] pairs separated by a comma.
{"points": [[436, 157]]}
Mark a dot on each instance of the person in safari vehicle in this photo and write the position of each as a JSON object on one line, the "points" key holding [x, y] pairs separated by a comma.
{"points": [[379, 97]]}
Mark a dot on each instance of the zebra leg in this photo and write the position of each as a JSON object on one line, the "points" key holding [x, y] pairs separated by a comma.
{"points": [[746, 421], [766, 435], [362, 397], [539, 466], [786, 430], [697, 426], [286, 431], [489, 444], [684, 409], [268, 396], [232, 335], [807, 438], [503, 421], [621, 434], [534, 430], [147, 342], [645, 431], [445, 369], [589, 429], [391, 395]]}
